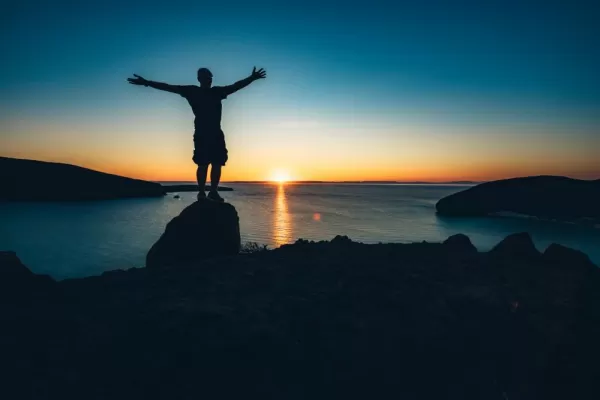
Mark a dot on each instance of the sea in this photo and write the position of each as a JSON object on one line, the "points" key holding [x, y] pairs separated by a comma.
{"points": [[79, 239]]}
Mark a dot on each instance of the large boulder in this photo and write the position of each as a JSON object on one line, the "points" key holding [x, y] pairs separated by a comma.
{"points": [[203, 230], [518, 246], [552, 197], [557, 254], [460, 243]]}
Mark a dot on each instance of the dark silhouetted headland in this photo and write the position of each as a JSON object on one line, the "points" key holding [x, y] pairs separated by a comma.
{"points": [[31, 180], [549, 197], [309, 320], [48, 181]]}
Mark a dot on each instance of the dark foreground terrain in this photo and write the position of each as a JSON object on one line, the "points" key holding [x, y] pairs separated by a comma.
{"points": [[311, 320]]}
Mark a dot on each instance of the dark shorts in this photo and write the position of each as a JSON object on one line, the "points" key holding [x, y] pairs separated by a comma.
{"points": [[209, 148]]}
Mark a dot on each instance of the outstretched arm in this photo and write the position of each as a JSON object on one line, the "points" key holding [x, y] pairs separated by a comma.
{"points": [[260, 74], [138, 80]]}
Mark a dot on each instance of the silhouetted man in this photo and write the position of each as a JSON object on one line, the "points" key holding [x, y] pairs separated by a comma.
{"points": [[209, 140]]}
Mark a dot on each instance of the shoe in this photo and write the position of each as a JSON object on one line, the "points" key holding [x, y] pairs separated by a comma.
{"points": [[214, 195], [201, 195]]}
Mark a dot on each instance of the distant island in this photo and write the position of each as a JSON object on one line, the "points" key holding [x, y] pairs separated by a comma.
{"points": [[547, 197], [32, 180]]}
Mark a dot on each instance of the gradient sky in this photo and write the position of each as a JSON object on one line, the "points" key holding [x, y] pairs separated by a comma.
{"points": [[355, 90]]}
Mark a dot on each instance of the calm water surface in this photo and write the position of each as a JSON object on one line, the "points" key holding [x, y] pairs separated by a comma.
{"points": [[82, 239]]}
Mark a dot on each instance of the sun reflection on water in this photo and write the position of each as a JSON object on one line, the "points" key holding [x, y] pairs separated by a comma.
{"points": [[282, 224]]}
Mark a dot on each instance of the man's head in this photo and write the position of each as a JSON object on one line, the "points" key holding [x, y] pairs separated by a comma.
{"points": [[205, 77]]}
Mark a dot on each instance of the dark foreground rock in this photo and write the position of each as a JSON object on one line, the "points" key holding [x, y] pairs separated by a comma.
{"points": [[460, 243], [551, 197], [30, 180], [320, 320], [205, 229], [17, 281], [517, 245]]}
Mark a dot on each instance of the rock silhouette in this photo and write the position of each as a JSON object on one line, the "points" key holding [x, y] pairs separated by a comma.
{"points": [[460, 243], [516, 245], [17, 281], [203, 230], [551, 197]]}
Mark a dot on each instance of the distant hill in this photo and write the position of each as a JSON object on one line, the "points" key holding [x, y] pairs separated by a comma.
{"points": [[30, 180], [548, 197]]}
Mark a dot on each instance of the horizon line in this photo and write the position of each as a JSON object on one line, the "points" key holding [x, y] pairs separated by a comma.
{"points": [[319, 181]]}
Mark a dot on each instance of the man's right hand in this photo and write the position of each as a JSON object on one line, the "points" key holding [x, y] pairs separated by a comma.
{"points": [[138, 80]]}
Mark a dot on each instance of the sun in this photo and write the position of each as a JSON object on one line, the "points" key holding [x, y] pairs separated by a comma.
{"points": [[280, 176]]}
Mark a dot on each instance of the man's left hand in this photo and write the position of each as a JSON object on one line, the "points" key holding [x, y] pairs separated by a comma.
{"points": [[260, 74]]}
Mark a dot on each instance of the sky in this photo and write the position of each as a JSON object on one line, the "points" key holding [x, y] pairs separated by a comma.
{"points": [[378, 90]]}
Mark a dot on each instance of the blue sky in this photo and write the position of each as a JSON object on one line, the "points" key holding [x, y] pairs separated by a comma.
{"points": [[386, 83]]}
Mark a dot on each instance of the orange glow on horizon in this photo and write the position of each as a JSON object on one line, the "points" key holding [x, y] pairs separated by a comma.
{"points": [[416, 162], [280, 176]]}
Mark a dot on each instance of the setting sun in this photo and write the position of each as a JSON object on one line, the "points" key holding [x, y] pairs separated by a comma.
{"points": [[280, 176]]}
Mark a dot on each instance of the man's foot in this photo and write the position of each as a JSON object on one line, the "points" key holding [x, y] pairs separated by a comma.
{"points": [[201, 195], [214, 195]]}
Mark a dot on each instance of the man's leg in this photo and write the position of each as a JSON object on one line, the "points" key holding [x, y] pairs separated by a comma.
{"points": [[201, 173], [215, 177], [218, 158]]}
